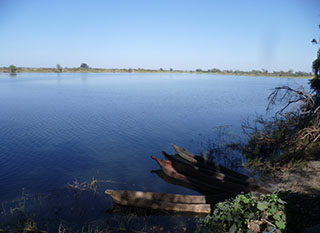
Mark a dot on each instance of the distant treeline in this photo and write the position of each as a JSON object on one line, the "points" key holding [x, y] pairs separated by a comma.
{"points": [[85, 68], [263, 72]]}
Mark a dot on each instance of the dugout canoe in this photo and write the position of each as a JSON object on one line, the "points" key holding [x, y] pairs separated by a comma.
{"points": [[208, 176], [163, 201], [208, 187], [199, 161], [227, 174]]}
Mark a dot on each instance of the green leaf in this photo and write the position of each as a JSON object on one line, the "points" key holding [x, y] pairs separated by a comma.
{"points": [[273, 209], [245, 199], [233, 228], [262, 205], [280, 224], [276, 217], [269, 228], [281, 201], [284, 217], [251, 216]]}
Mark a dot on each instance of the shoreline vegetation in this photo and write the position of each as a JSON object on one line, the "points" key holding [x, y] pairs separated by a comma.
{"points": [[84, 68]]}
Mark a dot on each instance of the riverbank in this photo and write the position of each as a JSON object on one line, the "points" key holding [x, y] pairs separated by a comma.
{"points": [[280, 74], [301, 191], [304, 179]]}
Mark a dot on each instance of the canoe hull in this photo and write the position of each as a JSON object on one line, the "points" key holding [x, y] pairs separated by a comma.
{"points": [[163, 201]]}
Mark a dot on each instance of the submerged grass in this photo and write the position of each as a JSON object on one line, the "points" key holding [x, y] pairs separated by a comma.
{"points": [[81, 207]]}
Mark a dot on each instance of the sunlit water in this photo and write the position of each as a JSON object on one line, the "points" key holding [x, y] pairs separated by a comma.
{"points": [[56, 128]]}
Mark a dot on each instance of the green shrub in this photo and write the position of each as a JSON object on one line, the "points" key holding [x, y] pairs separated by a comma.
{"points": [[246, 213], [12, 69]]}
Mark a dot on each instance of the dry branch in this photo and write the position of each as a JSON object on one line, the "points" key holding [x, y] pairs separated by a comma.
{"points": [[291, 133]]}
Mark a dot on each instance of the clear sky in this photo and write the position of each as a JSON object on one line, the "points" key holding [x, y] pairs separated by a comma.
{"points": [[178, 34]]}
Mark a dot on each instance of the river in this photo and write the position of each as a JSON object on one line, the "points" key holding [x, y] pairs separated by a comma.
{"points": [[56, 128]]}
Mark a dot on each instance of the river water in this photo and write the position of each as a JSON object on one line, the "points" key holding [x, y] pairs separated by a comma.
{"points": [[58, 128]]}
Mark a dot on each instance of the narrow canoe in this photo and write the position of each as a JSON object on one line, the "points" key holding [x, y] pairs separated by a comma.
{"points": [[163, 201], [187, 155], [206, 175], [208, 187], [250, 183]]}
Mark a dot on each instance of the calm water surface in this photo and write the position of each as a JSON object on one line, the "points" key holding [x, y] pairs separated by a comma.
{"points": [[55, 128]]}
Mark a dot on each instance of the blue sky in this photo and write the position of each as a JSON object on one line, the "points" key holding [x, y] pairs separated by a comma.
{"points": [[244, 35]]}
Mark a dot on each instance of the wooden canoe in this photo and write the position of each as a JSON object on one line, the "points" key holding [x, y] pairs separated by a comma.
{"points": [[163, 201], [188, 168], [173, 181], [212, 197], [208, 187], [227, 174], [197, 160]]}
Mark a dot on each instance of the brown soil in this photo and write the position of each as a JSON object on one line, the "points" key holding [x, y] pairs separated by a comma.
{"points": [[305, 180], [302, 194]]}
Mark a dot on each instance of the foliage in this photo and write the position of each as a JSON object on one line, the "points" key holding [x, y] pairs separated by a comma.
{"points": [[12, 69], [59, 68], [262, 72], [214, 70], [246, 213], [315, 82], [84, 66]]}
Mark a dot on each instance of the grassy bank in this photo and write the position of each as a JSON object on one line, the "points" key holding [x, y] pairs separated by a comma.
{"points": [[283, 74]]}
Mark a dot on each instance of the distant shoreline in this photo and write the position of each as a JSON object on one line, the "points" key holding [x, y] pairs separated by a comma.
{"points": [[257, 73]]}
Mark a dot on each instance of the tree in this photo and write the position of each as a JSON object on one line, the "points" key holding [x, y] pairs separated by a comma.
{"points": [[315, 82], [84, 66], [12, 69], [214, 70], [58, 68]]}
